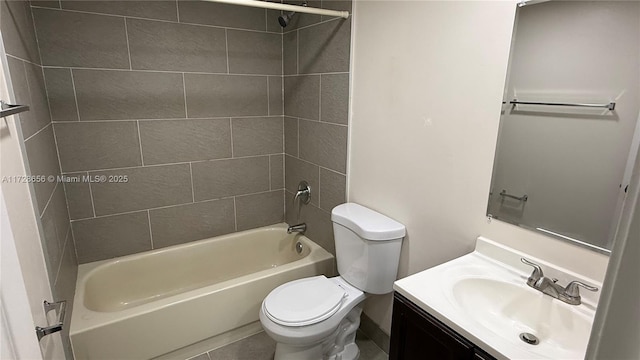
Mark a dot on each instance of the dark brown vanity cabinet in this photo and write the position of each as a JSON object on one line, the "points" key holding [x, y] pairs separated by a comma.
{"points": [[416, 335]]}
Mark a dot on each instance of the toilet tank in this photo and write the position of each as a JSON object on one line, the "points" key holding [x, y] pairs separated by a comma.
{"points": [[367, 247]]}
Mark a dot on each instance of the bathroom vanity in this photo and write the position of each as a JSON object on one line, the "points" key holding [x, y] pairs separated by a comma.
{"points": [[415, 334], [491, 304]]}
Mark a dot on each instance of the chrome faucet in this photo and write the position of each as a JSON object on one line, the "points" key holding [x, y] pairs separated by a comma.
{"points": [[569, 294], [299, 228], [303, 193]]}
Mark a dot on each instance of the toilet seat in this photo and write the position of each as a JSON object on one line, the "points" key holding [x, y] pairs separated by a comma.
{"points": [[304, 302]]}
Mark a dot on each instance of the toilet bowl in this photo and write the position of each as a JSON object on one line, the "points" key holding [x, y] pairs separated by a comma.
{"points": [[317, 318], [304, 332]]}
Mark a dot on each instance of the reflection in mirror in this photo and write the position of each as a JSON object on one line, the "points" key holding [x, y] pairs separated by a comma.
{"points": [[563, 170]]}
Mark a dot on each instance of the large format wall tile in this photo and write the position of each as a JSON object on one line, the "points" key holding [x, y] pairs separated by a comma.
{"points": [[252, 52], [226, 95], [258, 210], [180, 224], [157, 45], [58, 209], [62, 100], [290, 53], [111, 236], [171, 141], [276, 103], [50, 245], [97, 145], [257, 136], [156, 9], [297, 170], [20, 86], [18, 33], [39, 105], [109, 95], [28, 122], [248, 105], [302, 96], [233, 16], [55, 223], [54, 4], [321, 51], [324, 144], [320, 227], [79, 196], [291, 136], [222, 178], [276, 166], [333, 189], [43, 161], [65, 287], [325, 47], [22, 77], [143, 188], [83, 40], [334, 96]]}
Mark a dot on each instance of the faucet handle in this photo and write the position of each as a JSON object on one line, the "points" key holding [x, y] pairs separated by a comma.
{"points": [[304, 193], [537, 273], [572, 289]]}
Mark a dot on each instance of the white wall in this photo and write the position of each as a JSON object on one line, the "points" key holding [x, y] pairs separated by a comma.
{"points": [[569, 161], [426, 98], [616, 328]]}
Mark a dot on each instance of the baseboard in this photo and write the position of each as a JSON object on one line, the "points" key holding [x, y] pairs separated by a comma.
{"points": [[373, 331]]}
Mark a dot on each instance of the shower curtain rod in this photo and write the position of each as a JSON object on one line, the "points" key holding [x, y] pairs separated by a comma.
{"points": [[285, 7]]}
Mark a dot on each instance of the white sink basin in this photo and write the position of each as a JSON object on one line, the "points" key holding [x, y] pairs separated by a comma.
{"points": [[484, 297], [509, 310]]}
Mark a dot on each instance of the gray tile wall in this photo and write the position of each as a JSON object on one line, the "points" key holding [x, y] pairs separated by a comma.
{"points": [[184, 99], [201, 106], [27, 82], [316, 58], [316, 101]]}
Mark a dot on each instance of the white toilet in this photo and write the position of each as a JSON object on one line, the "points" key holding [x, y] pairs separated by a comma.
{"points": [[316, 318]]}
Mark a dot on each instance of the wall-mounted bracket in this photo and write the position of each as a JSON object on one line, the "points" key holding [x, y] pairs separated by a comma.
{"points": [[61, 307], [9, 109]]}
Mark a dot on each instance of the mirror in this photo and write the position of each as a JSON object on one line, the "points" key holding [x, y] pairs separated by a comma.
{"points": [[563, 169]]}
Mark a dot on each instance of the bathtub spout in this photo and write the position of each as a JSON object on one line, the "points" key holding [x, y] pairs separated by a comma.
{"points": [[299, 228]]}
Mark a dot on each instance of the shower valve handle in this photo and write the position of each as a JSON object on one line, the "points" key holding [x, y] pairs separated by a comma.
{"points": [[304, 193]]}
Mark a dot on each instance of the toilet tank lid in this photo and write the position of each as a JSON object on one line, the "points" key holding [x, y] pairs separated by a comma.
{"points": [[368, 224]]}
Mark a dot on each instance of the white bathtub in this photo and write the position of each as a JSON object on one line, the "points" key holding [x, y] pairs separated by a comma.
{"points": [[145, 305]]}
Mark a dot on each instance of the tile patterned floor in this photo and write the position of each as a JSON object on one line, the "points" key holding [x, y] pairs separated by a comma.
{"points": [[261, 347]]}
